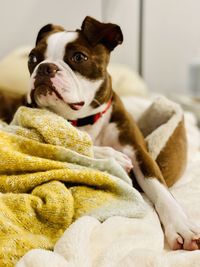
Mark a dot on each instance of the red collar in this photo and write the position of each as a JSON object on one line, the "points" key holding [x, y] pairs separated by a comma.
{"points": [[90, 119]]}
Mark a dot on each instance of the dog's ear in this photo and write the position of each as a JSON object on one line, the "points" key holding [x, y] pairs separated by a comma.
{"points": [[96, 32], [44, 31]]}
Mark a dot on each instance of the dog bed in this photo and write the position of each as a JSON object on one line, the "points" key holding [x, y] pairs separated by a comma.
{"points": [[120, 241]]}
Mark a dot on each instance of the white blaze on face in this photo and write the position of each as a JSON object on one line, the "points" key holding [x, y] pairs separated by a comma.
{"points": [[73, 87], [56, 44]]}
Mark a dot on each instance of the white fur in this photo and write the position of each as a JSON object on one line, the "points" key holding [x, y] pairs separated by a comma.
{"points": [[176, 224], [73, 87], [103, 152], [106, 136], [110, 137], [97, 130], [56, 44]]}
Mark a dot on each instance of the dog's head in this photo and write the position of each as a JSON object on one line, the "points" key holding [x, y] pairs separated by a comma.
{"points": [[69, 68]]}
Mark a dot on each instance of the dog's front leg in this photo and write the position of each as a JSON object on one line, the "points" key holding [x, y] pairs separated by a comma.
{"points": [[180, 232], [102, 152]]}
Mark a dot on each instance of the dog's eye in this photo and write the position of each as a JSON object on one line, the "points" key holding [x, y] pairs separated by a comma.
{"points": [[79, 57], [32, 59]]}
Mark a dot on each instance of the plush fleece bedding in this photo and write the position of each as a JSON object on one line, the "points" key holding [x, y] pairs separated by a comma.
{"points": [[129, 242]]}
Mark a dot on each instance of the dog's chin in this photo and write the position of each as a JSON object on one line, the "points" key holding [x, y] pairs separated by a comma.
{"points": [[45, 97]]}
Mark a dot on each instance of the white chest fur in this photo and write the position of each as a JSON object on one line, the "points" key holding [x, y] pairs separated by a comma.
{"points": [[106, 134], [99, 128]]}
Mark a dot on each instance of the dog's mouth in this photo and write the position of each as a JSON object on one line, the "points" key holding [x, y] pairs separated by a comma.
{"points": [[76, 106], [44, 90]]}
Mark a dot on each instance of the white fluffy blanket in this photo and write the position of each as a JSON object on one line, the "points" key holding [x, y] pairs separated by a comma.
{"points": [[129, 242]]}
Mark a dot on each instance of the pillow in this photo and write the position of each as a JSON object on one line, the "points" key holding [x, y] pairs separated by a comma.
{"points": [[14, 75], [126, 81]]}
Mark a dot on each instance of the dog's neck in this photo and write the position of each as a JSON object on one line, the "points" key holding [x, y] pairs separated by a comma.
{"points": [[92, 119], [99, 106]]}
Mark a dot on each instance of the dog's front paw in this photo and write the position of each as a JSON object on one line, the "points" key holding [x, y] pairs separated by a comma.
{"points": [[183, 234], [123, 160], [109, 152]]}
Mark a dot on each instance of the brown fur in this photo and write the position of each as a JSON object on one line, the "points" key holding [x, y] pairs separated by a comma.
{"points": [[108, 34], [131, 135], [167, 169], [104, 94], [9, 104], [175, 151], [46, 31], [95, 67], [41, 43]]}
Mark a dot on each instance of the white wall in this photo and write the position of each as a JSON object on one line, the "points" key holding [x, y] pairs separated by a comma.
{"points": [[172, 40], [125, 13], [20, 20], [171, 32]]}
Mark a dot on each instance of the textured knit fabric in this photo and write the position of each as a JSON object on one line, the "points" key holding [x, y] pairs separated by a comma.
{"points": [[49, 178]]}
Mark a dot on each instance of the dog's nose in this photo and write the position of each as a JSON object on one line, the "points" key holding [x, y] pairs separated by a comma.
{"points": [[47, 69]]}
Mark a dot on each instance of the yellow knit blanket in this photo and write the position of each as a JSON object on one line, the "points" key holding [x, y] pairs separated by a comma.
{"points": [[49, 178]]}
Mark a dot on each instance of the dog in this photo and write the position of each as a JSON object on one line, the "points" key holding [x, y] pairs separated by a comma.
{"points": [[69, 77]]}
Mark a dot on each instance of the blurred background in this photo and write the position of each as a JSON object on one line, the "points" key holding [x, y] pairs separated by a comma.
{"points": [[161, 38]]}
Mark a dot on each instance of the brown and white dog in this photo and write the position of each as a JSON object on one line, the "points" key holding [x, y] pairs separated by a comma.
{"points": [[69, 77]]}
